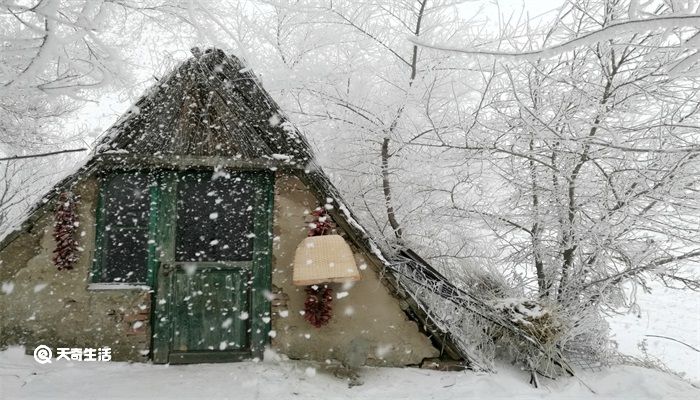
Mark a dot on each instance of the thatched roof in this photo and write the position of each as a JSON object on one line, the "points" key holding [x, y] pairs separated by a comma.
{"points": [[210, 105]]}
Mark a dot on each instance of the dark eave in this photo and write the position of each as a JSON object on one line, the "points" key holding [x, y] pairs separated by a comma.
{"points": [[129, 161]]}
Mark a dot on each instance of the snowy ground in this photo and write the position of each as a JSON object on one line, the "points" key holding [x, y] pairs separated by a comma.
{"points": [[22, 378], [664, 312]]}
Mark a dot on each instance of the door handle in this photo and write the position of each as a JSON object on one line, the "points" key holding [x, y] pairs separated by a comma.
{"points": [[166, 269]]}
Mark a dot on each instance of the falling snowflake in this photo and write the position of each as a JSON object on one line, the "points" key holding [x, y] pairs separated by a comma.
{"points": [[39, 287], [275, 120], [7, 287], [190, 269], [382, 350]]}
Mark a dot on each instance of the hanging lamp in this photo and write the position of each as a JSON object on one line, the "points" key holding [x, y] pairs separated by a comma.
{"points": [[324, 259], [324, 256]]}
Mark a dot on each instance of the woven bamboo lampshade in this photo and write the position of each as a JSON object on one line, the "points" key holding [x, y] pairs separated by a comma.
{"points": [[326, 258]]}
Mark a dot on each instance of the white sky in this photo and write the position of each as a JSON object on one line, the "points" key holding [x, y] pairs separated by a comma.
{"points": [[534, 9], [96, 117]]}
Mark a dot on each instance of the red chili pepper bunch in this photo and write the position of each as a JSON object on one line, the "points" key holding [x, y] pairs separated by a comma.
{"points": [[317, 307], [65, 231], [322, 224]]}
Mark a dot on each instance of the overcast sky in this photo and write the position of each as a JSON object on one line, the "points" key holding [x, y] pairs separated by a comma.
{"points": [[97, 116]]}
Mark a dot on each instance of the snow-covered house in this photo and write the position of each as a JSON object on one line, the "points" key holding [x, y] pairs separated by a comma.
{"points": [[176, 241]]}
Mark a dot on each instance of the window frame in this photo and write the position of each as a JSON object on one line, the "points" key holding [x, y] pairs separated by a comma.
{"points": [[97, 273], [182, 177]]}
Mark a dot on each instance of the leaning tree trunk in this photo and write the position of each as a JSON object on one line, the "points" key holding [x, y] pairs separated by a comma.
{"points": [[386, 185], [386, 181]]}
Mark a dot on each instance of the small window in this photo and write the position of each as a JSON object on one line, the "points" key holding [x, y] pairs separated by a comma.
{"points": [[125, 219], [214, 217]]}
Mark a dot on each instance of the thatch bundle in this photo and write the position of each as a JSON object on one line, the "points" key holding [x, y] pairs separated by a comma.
{"points": [[536, 319]]}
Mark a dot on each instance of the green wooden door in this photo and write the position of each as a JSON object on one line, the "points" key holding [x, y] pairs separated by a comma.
{"points": [[210, 313], [214, 267]]}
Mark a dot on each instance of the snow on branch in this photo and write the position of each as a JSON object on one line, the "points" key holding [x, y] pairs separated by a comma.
{"points": [[51, 153], [606, 33], [450, 307]]}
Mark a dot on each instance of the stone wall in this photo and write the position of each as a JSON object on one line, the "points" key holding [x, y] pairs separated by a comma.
{"points": [[41, 305], [364, 314]]}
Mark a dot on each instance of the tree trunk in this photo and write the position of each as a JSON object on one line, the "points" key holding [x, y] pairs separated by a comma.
{"points": [[386, 185]]}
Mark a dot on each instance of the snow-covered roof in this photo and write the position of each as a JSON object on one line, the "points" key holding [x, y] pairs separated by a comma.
{"points": [[210, 105]]}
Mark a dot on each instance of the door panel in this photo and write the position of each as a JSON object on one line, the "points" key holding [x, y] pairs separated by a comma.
{"points": [[214, 267], [210, 309]]}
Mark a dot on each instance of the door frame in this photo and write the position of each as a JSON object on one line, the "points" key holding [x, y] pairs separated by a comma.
{"points": [[259, 313]]}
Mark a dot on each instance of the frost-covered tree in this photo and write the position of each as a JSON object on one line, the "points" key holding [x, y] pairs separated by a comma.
{"points": [[363, 91], [589, 160], [55, 56], [51, 53], [612, 19]]}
